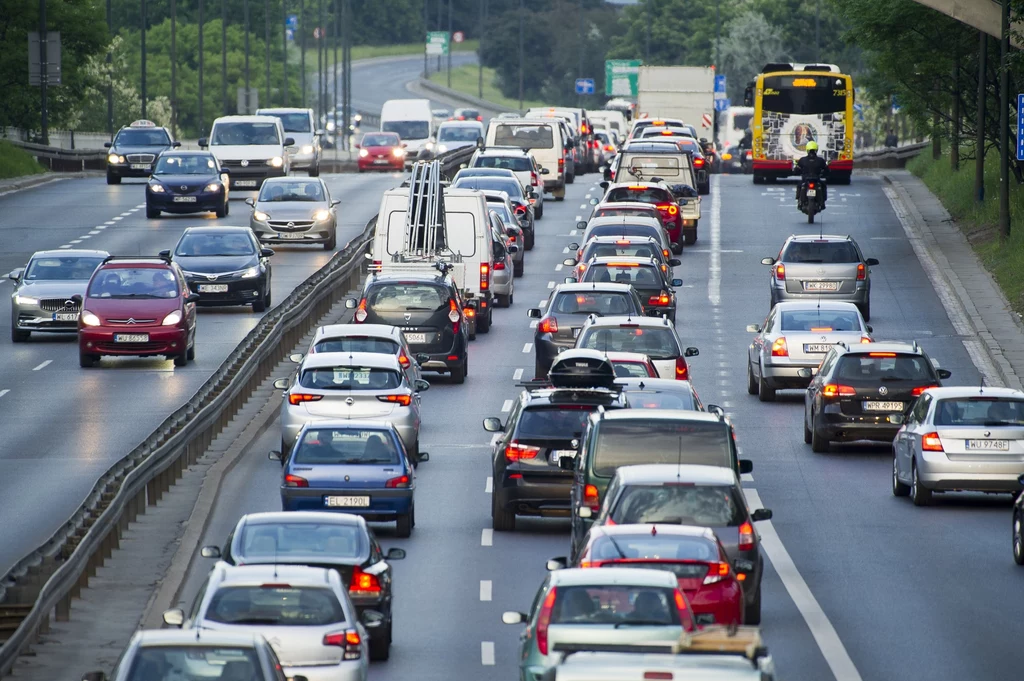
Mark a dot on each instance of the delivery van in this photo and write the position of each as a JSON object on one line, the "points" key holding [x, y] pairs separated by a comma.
{"points": [[543, 138]]}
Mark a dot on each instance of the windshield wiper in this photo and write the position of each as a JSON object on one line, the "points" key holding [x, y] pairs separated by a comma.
{"points": [[618, 549]]}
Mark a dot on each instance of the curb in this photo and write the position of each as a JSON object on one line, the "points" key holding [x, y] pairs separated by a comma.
{"points": [[30, 181]]}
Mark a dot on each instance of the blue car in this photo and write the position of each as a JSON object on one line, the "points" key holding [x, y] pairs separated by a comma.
{"points": [[187, 182], [358, 467]]}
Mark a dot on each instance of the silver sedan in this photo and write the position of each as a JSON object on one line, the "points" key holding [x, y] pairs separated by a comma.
{"points": [[292, 210], [961, 438], [44, 288]]}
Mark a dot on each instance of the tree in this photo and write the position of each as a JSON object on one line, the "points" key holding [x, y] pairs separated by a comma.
{"points": [[749, 43]]}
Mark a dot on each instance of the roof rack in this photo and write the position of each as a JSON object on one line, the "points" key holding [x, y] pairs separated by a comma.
{"points": [[739, 641], [162, 258]]}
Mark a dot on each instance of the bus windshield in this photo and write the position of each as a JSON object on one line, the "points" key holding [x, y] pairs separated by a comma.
{"points": [[805, 95]]}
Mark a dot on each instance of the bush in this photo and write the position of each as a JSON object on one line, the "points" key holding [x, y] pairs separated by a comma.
{"points": [[15, 162]]}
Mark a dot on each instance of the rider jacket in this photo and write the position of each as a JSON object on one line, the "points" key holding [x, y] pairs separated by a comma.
{"points": [[812, 167]]}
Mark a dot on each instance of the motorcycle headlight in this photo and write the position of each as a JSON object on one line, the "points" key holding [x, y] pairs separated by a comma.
{"points": [[171, 319], [114, 158], [89, 319], [260, 216], [428, 145], [213, 187], [26, 300], [330, 126], [307, 149], [321, 215], [277, 162], [251, 273], [363, 153], [156, 188]]}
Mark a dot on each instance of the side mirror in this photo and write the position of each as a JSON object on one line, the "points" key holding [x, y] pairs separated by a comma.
{"points": [[250, 202], [372, 619], [15, 275], [421, 385], [753, 328], [464, 165], [176, 145], [556, 564], [761, 514], [545, 171], [335, 202], [603, 185], [944, 373], [479, 142], [675, 262], [746, 466], [94, 676], [569, 262], [594, 202], [1020, 478], [534, 313], [607, 174], [423, 358], [767, 261], [266, 252], [715, 409], [691, 352], [869, 329], [493, 425], [584, 512], [677, 282], [164, 254], [424, 456], [107, 145], [395, 554], [203, 143], [512, 248], [275, 455], [192, 298], [295, 357], [211, 552], [281, 384], [350, 303], [175, 617], [804, 373], [512, 617], [569, 280], [582, 224], [871, 262], [289, 141], [574, 246]]}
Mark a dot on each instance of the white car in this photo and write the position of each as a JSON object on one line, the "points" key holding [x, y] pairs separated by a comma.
{"points": [[521, 163], [453, 135], [377, 338]]}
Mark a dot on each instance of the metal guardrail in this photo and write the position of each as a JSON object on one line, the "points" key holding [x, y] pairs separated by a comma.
{"points": [[892, 157], [52, 576]]}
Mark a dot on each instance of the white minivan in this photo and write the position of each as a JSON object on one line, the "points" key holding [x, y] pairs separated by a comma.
{"points": [[413, 120], [252, 148], [543, 138], [298, 124]]}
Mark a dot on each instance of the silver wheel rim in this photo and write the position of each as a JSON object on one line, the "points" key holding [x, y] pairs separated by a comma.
{"points": [[1016, 535], [895, 477]]}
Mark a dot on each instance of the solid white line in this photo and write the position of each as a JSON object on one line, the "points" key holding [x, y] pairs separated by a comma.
{"points": [[715, 267], [506, 407], [489, 485], [551, 284], [517, 374], [43, 365], [832, 648], [4, 392], [487, 653], [485, 589], [487, 537], [527, 348]]}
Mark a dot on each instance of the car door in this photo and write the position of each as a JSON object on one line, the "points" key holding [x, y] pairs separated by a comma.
{"points": [[526, 635], [811, 395], [760, 339], [912, 433]]}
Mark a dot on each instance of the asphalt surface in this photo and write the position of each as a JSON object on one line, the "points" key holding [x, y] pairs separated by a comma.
{"points": [[910, 592], [375, 81]]}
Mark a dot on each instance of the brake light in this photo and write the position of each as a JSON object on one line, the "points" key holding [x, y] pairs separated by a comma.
{"points": [[533, 179], [349, 639], [658, 675], [779, 348], [682, 370], [716, 572], [746, 542], [403, 400], [548, 325], [401, 482], [861, 272], [403, 360], [295, 481], [921, 388], [660, 300], [515, 451], [561, 164], [698, 163], [810, 185], [360, 315], [684, 612], [669, 208], [750, 154], [469, 312], [865, 339], [931, 443], [544, 619], [665, 252], [453, 312], [881, 354], [485, 276], [591, 498], [299, 398], [780, 272], [609, 147], [363, 583], [500, 265], [834, 390], [520, 210], [479, 118]]}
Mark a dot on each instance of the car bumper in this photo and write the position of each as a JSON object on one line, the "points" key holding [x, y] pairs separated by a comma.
{"points": [[843, 428], [443, 362], [552, 184], [37, 320], [240, 292], [125, 170], [252, 178], [206, 201], [716, 607], [858, 297], [317, 233], [549, 499], [937, 472], [292, 419], [349, 670], [385, 164], [162, 341], [385, 504], [502, 286], [785, 376]]}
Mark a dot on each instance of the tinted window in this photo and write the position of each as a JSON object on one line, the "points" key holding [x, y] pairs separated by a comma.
{"points": [[350, 378], [656, 343], [515, 163], [245, 133], [641, 276], [820, 320], [380, 346], [378, 140], [70, 268], [206, 243], [458, 133], [293, 122], [639, 210], [290, 541], [186, 165], [165, 663], [646, 399], [979, 411], [524, 136], [623, 230], [706, 506], [820, 251], [411, 296], [658, 546], [614, 604], [667, 166], [299, 190], [884, 367], [275, 606], [806, 95], [131, 282], [345, 446], [509, 186], [630, 370], [643, 195], [143, 138], [502, 211], [690, 442], [592, 302], [557, 423], [407, 130], [741, 121]]}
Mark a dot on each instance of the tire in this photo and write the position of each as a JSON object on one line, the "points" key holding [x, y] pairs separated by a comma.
{"points": [[518, 268], [152, 213], [1018, 540], [504, 301], [690, 236], [919, 494], [528, 239], [19, 336], [570, 179], [865, 311], [414, 454], [259, 305], [459, 373], [181, 360], [113, 179], [539, 213], [752, 612], [898, 488], [676, 248], [810, 218], [560, 198], [751, 381], [819, 443], [403, 525], [481, 325], [501, 520], [380, 645], [704, 189], [758, 179], [227, 208], [765, 393], [314, 171], [85, 360], [221, 212], [332, 243], [807, 432]]}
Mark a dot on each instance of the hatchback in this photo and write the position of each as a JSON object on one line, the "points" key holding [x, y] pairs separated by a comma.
{"points": [[658, 195], [622, 247], [622, 227], [377, 338], [660, 393], [44, 289], [291, 210], [381, 151], [648, 276], [497, 203], [632, 365], [653, 337], [225, 266], [517, 195], [519, 161]]}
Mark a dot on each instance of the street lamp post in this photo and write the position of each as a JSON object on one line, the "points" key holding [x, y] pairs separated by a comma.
{"points": [[284, 53], [266, 44], [302, 49], [174, 68], [224, 58], [480, 52], [450, 42], [201, 62], [245, 12], [142, 37], [522, 11], [110, 77]]}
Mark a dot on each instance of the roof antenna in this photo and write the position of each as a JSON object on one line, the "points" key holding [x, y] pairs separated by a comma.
{"points": [[679, 464], [275, 557], [981, 388]]}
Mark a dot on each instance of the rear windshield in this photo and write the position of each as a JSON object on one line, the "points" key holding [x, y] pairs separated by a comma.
{"points": [[642, 167], [630, 369], [820, 320], [350, 378], [703, 505], [623, 230], [592, 302], [132, 282], [507, 185], [980, 411], [640, 250], [288, 541], [824, 251], [412, 296], [458, 133], [165, 662], [655, 342], [647, 399], [657, 546], [642, 195], [515, 163], [553, 423], [884, 367], [380, 346], [293, 122], [615, 604], [691, 442], [641, 276], [274, 605], [346, 446], [639, 210], [524, 136]]}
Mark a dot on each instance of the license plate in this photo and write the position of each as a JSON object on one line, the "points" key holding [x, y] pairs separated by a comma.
{"points": [[65, 316], [559, 454], [416, 337], [288, 235], [988, 445], [821, 285], [245, 183], [882, 406], [817, 347], [332, 502], [213, 288], [381, 161], [131, 337], [184, 199], [140, 166], [812, 192]]}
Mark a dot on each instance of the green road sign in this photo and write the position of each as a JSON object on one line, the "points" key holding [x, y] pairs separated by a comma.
{"points": [[620, 77], [437, 42]]}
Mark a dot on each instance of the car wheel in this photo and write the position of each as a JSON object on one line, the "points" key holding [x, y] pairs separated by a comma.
{"points": [[752, 611], [1018, 541], [380, 643], [414, 454], [690, 236], [898, 488], [191, 352], [501, 520], [677, 248], [765, 392], [807, 431], [540, 212], [227, 208], [403, 525], [865, 311], [222, 210], [751, 381], [819, 443], [259, 305], [560, 197], [268, 297], [331, 243], [529, 238], [85, 360], [919, 494], [113, 179], [314, 171], [504, 301], [152, 213], [483, 324], [518, 268], [459, 372], [181, 360], [569, 179], [19, 336]]}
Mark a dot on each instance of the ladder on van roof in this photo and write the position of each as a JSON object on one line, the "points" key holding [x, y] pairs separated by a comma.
{"points": [[425, 218]]}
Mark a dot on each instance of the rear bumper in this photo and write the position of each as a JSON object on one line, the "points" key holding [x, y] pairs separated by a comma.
{"points": [[785, 376], [936, 471], [390, 164], [860, 296], [385, 504], [843, 428], [545, 499], [348, 670]]}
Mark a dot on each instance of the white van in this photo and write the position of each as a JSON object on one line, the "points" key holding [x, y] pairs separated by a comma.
{"points": [[414, 122], [543, 138], [252, 148], [298, 124], [613, 120]]}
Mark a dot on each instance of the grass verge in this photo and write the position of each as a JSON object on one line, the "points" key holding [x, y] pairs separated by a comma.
{"points": [[980, 221], [371, 51], [15, 162], [465, 79]]}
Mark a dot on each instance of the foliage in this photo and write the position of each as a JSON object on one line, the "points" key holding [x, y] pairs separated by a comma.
{"points": [[465, 79], [16, 162], [750, 43]]}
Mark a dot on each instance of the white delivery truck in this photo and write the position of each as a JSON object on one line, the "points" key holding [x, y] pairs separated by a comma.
{"points": [[686, 92]]}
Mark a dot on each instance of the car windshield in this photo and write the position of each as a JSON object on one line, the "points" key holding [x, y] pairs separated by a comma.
{"points": [[293, 122], [659, 399], [980, 411], [380, 346], [380, 140], [458, 133], [289, 541], [513, 163], [142, 138], [655, 342], [245, 134], [624, 369], [628, 250], [345, 446], [186, 165], [63, 268], [623, 230], [292, 190], [639, 195], [820, 252], [408, 130], [705, 443], [134, 282], [654, 546], [884, 366], [822, 320], [407, 296], [524, 136], [509, 186], [502, 212], [553, 422], [276, 605], [685, 504], [615, 604], [166, 662], [195, 244], [593, 302], [350, 378], [640, 276]]}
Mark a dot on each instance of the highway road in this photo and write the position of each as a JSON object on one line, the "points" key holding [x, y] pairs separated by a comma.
{"points": [[859, 585]]}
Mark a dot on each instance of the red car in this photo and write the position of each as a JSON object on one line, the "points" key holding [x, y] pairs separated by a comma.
{"points": [[632, 365], [381, 151], [651, 193], [137, 306], [694, 554]]}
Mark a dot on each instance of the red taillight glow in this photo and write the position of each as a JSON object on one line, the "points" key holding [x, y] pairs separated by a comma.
{"points": [[921, 388], [591, 498], [698, 163], [835, 390], [682, 370], [660, 300], [865, 339], [485, 276], [543, 620], [658, 675], [363, 583], [299, 398], [716, 572], [520, 210], [401, 482], [684, 611], [609, 147], [862, 272], [780, 272], [403, 400], [779, 347], [810, 185], [295, 481], [534, 180], [515, 451], [350, 640], [931, 443], [548, 325], [500, 265], [403, 360], [561, 164], [746, 542], [669, 208], [360, 315]]}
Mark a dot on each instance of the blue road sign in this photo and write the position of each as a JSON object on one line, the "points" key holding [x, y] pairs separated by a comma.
{"points": [[720, 84], [291, 25], [1020, 127], [584, 86], [858, 109], [721, 104]]}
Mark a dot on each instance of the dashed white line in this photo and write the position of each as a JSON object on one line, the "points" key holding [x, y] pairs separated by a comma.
{"points": [[573, 232], [43, 365], [583, 206], [66, 246], [533, 324], [95, 231], [84, 236], [558, 267], [543, 303], [527, 348], [747, 477], [109, 222], [485, 589], [487, 537], [133, 210], [101, 226], [578, 218], [565, 250], [489, 485], [4, 392], [75, 241], [487, 653], [126, 213], [551, 284], [506, 407], [117, 218], [517, 374], [715, 266]]}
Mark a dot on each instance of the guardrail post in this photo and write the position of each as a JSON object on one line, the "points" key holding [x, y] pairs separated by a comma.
{"points": [[62, 611]]}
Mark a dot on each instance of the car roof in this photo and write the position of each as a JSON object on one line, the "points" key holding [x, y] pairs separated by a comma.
{"points": [[654, 473], [495, 194], [815, 305], [244, 119], [630, 220], [662, 415], [628, 320], [626, 204], [612, 576], [186, 152], [55, 253], [256, 574], [290, 178], [633, 383], [818, 237], [591, 286], [347, 330], [141, 261], [320, 360], [291, 517], [461, 124], [885, 346], [503, 151], [436, 278], [974, 391], [182, 637], [218, 229], [662, 528], [642, 183], [282, 109]]}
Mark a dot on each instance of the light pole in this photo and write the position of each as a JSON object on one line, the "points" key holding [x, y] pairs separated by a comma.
{"points": [[142, 37], [245, 12], [284, 53], [480, 52], [817, 31], [201, 61], [43, 68], [110, 77], [426, 28], [521, 52], [302, 49], [266, 44], [224, 57], [450, 42], [174, 68], [647, 46]]}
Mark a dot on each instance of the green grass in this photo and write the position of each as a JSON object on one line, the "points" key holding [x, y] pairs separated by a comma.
{"points": [[371, 51], [15, 162], [465, 79], [980, 222]]}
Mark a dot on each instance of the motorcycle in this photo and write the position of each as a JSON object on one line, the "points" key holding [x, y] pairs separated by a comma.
{"points": [[813, 198]]}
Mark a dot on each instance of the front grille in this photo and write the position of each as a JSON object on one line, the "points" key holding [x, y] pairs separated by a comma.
{"points": [[134, 321], [290, 225], [131, 348], [248, 164], [58, 305], [140, 158]]}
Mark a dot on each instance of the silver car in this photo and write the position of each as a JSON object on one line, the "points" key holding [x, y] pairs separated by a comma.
{"points": [[351, 385], [298, 124], [520, 162], [43, 291], [291, 210], [304, 612], [453, 135], [498, 202], [502, 268], [796, 335], [376, 338], [821, 267], [961, 438]]}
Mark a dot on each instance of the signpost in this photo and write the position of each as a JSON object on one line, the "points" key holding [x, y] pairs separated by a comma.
{"points": [[620, 77], [722, 104], [248, 105], [458, 37], [720, 90], [52, 58], [291, 25], [437, 43], [584, 86], [1020, 127]]}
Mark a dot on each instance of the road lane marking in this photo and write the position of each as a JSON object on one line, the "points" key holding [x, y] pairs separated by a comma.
{"points": [[527, 348], [126, 213], [506, 407], [66, 246], [85, 236], [141, 205], [489, 485], [533, 324], [75, 241], [832, 648], [583, 206], [517, 374], [708, 250], [487, 537], [95, 231], [747, 477], [573, 232], [715, 267], [543, 303], [551, 284], [487, 653], [134, 210], [588, 196], [485, 589], [565, 250], [4, 392], [116, 219], [43, 365], [558, 267]]}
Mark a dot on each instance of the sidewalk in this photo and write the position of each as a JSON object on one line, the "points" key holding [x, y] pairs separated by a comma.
{"points": [[976, 306]]}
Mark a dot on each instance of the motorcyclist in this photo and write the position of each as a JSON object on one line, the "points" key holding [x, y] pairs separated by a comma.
{"points": [[812, 167]]}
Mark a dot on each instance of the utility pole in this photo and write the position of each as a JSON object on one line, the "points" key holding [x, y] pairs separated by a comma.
{"points": [[284, 54], [817, 31], [346, 76], [439, 5], [522, 11], [245, 12], [954, 147], [43, 72], [142, 36], [450, 2], [718, 40], [979, 147], [1004, 124], [302, 49], [579, 71], [479, 52], [201, 61], [110, 77], [224, 57], [321, 60], [337, 36], [426, 27], [647, 46], [174, 69], [266, 44]]}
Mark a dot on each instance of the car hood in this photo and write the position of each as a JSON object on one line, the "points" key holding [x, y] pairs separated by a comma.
{"points": [[379, 150], [456, 145], [289, 210], [124, 308], [220, 264], [52, 289], [250, 152], [176, 181], [137, 149]]}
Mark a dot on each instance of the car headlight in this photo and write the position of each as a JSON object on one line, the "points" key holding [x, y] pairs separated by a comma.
{"points": [[363, 153], [260, 216], [156, 188], [277, 162], [213, 187], [251, 273], [89, 319], [307, 148], [172, 319], [428, 146], [330, 126], [399, 152], [114, 158], [321, 215], [441, 148], [26, 300]]}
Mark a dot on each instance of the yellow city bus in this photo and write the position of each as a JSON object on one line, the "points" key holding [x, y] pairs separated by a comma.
{"points": [[794, 104]]}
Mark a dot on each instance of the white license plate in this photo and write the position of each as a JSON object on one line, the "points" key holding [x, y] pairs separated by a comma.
{"points": [[812, 192], [380, 161], [140, 166], [289, 235], [821, 285], [817, 347], [184, 199], [245, 183], [882, 406], [559, 454], [988, 445], [65, 316], [346, 501], [416, 338], [131, 337], [213, 288]]}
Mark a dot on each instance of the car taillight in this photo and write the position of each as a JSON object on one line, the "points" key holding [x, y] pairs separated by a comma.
{"points": [[350, 640], [716, 572], [453, 312], [295, 481], [485, 276], [921, 388], [931, 443], [862, 272], [360, 315], [534, 180], [401, 482], [660, 300], [609, 147], [500, 265], [779, 347], [520, 210], [865, 339], [479, 118], [299, 398], [698, 163], [403, 360], [561, 164], [376, 265], [780, 272], [515, 451], [746, 542], [670, 208], [363, 583], [548, 325], [591, 498], [750, 154], [403, 400], [685, 617], [662, 676], [682, 371], [544, 619], [835, 390]]}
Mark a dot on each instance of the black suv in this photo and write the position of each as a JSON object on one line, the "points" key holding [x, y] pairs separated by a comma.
{"points": [[135, 148], [430, 312], [860, 388], [544, 427]]}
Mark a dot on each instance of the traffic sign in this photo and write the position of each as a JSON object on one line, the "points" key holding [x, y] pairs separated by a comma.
{"points": [[720, 88], [437, 42], [722, 104], [458, 37], [1020, 127], [705, 120], [584, 86], [620, 77], [291, 25]]}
